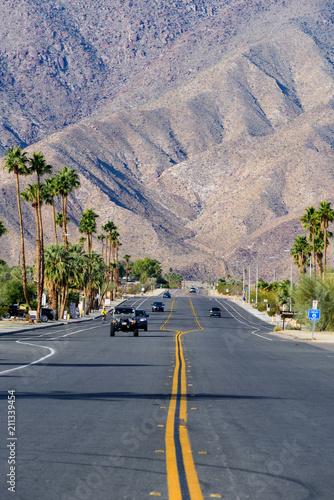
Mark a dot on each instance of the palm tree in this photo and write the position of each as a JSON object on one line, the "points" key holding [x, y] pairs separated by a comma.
{"points": [[66, 180], [301, 251], [102, 237], [52, 190], [109, 228], [52, 257], [3, 230], [318, 254], [114, 248], [16, 162], [326, 215], [30, 194], [60, 220], [63, 266], [87, 225], [127, 258], [310, 222]]}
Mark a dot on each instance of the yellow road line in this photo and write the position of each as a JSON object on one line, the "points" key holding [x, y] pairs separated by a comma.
{"points": [[174, 488], [173, 479]]}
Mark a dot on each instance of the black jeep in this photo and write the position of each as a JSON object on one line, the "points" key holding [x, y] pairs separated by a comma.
{"points": [[125, 320]]}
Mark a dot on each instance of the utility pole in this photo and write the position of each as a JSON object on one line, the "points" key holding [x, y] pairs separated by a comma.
{"points": [[291, 290], [257, 279], [249, 285]]}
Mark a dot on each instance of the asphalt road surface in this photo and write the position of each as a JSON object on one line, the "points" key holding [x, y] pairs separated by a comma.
{"points": [[195, 408]]}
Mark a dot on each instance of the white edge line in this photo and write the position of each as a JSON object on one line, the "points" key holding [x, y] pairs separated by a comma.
{"points": [[243, 322]]}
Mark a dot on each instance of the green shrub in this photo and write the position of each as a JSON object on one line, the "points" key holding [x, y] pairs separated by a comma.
{"points": [[3, 310], [322, 290]]}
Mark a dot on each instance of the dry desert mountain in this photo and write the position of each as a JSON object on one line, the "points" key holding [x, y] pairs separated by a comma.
{"points": [[203, 129]]}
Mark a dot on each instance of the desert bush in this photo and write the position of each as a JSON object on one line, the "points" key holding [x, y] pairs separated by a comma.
{"points": [[322, 290]]}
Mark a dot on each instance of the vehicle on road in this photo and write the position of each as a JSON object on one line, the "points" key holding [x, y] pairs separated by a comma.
{"points": [[124, 319], [192, 290], [142, 319], [166, 295], [215, 311], [158, 306], [15, 312]]}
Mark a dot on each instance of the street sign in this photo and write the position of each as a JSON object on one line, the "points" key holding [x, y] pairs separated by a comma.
{"points": [[314, 314], [315, 304]]}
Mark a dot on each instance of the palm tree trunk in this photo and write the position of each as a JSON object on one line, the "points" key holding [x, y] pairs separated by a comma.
{"points": [[63, 301], [313, 255], [38, 264], [24, 271], [325, 249], [41, 239], [53, 297], [54, 222], [64, 220]]}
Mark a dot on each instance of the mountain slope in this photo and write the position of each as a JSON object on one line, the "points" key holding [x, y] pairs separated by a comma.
{"points": [[210, 154]]}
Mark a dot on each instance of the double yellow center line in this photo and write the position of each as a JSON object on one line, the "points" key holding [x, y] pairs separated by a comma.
{"points": [[181, 473]]}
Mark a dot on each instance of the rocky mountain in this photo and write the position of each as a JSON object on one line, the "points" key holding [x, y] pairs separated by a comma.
{"points": [[203, 129]]}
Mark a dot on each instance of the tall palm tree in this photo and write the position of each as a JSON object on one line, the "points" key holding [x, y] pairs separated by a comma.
{"points": [[30, 194], [310, 221], [16, 161], [127, 258], [115, 243], [87, 225], [301, 251], [326, 215], [67, 179], [109, 228], [52, 190]]}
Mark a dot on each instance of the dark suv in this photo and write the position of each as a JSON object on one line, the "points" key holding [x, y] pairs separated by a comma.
{"points": [[157, 306], [125, 320], [15, 311], [215, 311], [141, 319]]}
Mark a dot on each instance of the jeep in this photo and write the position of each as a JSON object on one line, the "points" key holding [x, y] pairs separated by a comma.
{"points": [[125, 320]]}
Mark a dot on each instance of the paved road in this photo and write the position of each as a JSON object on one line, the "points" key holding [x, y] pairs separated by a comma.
{"points": [[196, 407]]}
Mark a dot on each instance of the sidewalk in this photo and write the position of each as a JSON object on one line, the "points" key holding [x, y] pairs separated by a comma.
{"points": [[303, 335], [23, 326]]}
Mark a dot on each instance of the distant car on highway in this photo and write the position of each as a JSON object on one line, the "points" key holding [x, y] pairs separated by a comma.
{"points": [[157, 306], [142, 319], [215, 311], [166, 295], [192, 290]]}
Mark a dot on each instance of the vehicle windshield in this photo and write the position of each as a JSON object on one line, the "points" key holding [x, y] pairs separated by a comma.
{"points": [[215, 309], [140, 313], [123, 310], [157, 303]]}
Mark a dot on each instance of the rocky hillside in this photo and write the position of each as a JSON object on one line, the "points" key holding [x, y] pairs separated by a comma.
{"points": [[202, 129]]}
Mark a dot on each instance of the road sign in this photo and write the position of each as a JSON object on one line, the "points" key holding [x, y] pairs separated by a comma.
{"points": [[314, 314], [315, 304]]}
